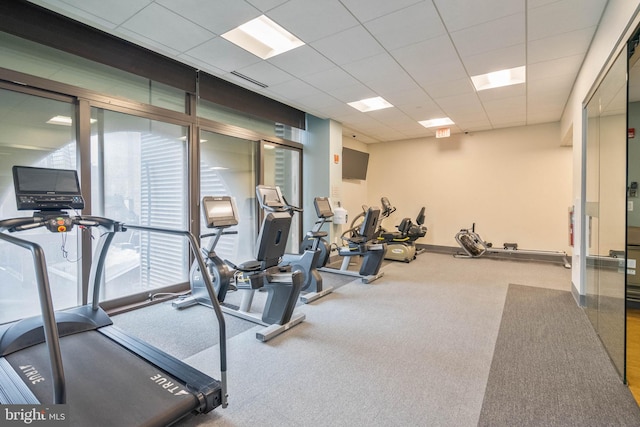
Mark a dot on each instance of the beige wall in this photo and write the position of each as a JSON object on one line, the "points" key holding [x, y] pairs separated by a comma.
{"points": [[514, 183], [354, 191]]}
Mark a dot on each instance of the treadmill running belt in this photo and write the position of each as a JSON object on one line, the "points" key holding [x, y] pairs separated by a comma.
{"points": [[106, 384]]}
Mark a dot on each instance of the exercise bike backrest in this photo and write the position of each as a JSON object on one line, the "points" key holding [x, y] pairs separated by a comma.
{"points": [[368, 230], [420, 218], [274, 230]]}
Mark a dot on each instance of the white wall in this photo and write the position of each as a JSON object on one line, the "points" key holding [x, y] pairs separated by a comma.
{"points": [[514, 183]]}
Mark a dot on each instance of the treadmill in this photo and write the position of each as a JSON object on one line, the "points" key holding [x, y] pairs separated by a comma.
{"points": [[76, 358]]}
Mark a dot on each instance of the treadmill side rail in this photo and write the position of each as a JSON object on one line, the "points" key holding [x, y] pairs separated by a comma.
{"points": [[206, 389]]}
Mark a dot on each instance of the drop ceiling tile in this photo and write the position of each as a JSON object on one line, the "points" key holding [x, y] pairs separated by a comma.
{"points": [[302, 61], [565, 44], [366, 10], [223, 55], [511, 106], [152, 22], [340, 109], [332, 79], [352, 93], [431, 61], [496, 34], [555, 67], [460, 104], [551, 91], [266, 73], [438, 74], [349, 45], [501, 93], [217, 16], [317, 104], [459, 14], [449, 88], [498, 59], [313, 20], [375, 69], [110, 14], [292, 89], [410, 97], [562, 17], [145, 42], [266, 5], [407, 26]]}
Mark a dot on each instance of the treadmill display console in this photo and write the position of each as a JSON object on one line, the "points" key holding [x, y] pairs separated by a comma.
{"points": [[46, 189]]}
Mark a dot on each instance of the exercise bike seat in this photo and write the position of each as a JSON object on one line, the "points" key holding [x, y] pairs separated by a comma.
{"points": [[401, 235], [317, 234], [250, 266]]}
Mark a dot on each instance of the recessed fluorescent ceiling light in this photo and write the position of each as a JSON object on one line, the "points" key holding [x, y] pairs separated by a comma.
{"points": [[263, 37], [370, 104], [444, 121], [512, 76]]}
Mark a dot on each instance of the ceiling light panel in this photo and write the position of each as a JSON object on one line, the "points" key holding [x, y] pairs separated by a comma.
{"points": [[263, 37], [370, 104], [501, 78], [443, 121]]}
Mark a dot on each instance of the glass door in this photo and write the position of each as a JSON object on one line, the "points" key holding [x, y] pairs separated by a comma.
{"points": [[282, 167], [605, 210]]}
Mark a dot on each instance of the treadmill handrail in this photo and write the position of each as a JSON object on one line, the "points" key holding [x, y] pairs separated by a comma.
{"points": [[197, 253], [48, 315]]}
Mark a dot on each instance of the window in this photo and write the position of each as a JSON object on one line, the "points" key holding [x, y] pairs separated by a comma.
{"points": [[27, 139], [139, 176], [227, 168], [282, 168]]}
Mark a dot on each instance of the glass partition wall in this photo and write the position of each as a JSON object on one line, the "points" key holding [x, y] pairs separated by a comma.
{"points": [[605, 210]]}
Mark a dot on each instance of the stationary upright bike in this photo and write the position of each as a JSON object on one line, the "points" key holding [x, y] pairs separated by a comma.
{"points": [[282, 285], [272, 200], [315, 239]]}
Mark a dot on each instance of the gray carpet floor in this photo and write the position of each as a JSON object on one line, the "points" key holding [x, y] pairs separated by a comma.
{"points": [[418, 347], [550, 369]]}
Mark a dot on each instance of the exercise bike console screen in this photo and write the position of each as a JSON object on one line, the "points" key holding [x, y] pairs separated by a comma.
{"points": [[46, 189], [323, 207], [220, 212], [270, 197]]}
